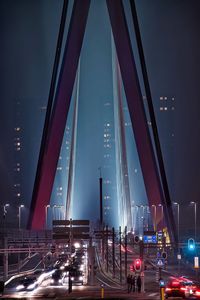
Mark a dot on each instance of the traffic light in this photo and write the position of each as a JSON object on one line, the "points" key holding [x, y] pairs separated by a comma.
{"points": [[136, 239], [191, 244], [164, 255], [138, 265]]}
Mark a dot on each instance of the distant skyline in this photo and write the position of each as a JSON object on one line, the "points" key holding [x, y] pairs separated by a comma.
{"points": [[170, 34]]}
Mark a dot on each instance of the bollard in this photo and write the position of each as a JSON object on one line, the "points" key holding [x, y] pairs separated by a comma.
{"points": [[102, 291], [162, 294], [162, 288]]}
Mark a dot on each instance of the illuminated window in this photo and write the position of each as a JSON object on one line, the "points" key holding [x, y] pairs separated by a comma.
{"points": [[161, 98], [161, 108], [173, 108], [165, 108], [17, 128], [59, 168], [17, 185]]}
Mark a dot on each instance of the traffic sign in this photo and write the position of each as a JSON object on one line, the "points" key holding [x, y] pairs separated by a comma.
{"points": [[160, 262], [149, 239]]}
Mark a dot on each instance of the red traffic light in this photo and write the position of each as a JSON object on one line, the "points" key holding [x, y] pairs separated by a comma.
{"points": [[138, 264]]}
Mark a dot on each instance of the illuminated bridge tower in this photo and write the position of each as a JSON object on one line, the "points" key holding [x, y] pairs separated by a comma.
{"points": [[155, 183], [122, 177]]}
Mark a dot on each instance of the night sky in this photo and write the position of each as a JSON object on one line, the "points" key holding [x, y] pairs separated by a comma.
{"points": [[170, 35]]}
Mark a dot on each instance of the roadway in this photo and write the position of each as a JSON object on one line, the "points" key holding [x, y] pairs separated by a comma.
{"points": [[111, 285]]}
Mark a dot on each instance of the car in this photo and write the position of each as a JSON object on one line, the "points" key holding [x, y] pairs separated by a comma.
{"points": [[175, 289], [76, 277], [57, 277], [27, 284]]}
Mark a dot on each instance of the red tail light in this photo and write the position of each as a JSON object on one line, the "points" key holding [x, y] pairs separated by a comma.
{"points": [[197, 293], [175, 283]]}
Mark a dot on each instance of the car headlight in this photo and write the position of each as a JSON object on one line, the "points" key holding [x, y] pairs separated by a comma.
{"points": [[52, 281], [60, 280], [31, 286], [80, 278], [20, 287]]}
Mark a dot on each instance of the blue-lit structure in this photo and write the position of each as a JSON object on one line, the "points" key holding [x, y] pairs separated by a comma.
{"points": [[123, 71]]}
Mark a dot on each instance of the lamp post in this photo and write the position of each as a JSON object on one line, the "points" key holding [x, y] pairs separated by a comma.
{"points": [[46, 214], [154, 225], [195, 219], [162, 215], [178, 221], [57, 206], [4, 213], [178, 225], [20, 207], [4, 209]]}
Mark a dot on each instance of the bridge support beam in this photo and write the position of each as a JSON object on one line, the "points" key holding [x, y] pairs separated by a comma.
{"points": [[136, 108], [60, 112]]}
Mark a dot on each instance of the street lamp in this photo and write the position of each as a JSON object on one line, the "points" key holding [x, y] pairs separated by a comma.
{"points": [[195, 219], [4, 209], [20, 207], [4, 214], [46, 214], [154, 206], [162, 215], [57, 206], [178, 221], [178, 225]]}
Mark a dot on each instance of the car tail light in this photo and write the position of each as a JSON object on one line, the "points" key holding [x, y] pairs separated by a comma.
{"points": [[197, 293], [168, 289], [175, 283]]}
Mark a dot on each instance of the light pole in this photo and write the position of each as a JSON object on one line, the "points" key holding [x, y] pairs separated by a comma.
{"points": [[178, 221], [57, 206], [4, 213], [155, 216], [20, 207], [195, 219], [162, 215], [4, 209], [46, 214], [178, 225]]}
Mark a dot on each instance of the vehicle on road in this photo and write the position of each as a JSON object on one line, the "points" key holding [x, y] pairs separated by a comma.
{"points": [[76, 277], [175, 289], [57, 277], [27, 284]]}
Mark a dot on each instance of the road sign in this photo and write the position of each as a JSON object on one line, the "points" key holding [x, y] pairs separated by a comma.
{"points": [[160, 262], [196, 262], [149, 239]]}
